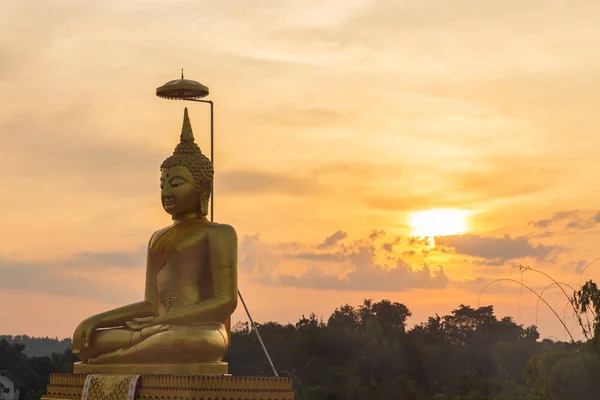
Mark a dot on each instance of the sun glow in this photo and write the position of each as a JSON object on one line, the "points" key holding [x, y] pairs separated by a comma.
{"points": [[439, 222]]}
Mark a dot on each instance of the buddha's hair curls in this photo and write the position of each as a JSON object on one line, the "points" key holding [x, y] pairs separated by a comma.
{"points": [[188, 155]]}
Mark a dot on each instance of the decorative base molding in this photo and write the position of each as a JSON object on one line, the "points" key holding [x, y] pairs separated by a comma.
{"points": [[181, 387], [208, 368]]}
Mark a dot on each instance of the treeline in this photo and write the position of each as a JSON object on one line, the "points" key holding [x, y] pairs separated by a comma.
{"points": [[366, 352], [33, 373], [39, 346]]}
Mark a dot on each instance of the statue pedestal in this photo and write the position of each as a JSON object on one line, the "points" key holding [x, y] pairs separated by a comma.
{"points": [[172, 387], [212, 368]]}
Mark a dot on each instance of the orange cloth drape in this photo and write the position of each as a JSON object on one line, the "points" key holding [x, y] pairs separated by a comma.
{"points": [[167, 242]]}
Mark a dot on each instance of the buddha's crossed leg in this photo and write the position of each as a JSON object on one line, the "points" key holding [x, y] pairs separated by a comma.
{"points": [[165, 344]]}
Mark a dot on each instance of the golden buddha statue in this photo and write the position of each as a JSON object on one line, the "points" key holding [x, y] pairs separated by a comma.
{"points": [[182, 326]]}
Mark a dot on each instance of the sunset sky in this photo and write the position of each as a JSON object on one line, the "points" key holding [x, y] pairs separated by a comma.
{"points": [[337, 122]]}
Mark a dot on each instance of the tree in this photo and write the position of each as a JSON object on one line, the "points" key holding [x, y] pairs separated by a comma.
{"points": [[344, 317], [587, 300]]}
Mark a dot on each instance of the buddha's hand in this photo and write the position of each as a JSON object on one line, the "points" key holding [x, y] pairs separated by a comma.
{"points": [[83, 333], [137, 324]]}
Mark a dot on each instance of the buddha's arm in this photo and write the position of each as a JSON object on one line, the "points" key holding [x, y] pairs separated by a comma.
{"points": [[222, 243]]}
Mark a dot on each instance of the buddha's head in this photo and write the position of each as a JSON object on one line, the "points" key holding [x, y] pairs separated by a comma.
{"points": [[186, 176]]}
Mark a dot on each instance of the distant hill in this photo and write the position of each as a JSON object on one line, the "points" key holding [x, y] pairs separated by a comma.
{"points": [[39, 346]]}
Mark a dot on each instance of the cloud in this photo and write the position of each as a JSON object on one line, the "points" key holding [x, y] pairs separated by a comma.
{"points": [[493, 179], [340, 265], [94, 260], [495, 250], [575, 219], [449, 43], [581, 224], [83, 162], [577, 266], [54, 19], [410, 202], [354, 169], [485, 285], [352, 33], [332, 239], [371, 278], [419, 241], [85, 275], [316, 179], [376, 234], [255, 182], [506, 177], [291, 115], [389, 246], [559, 216], [320, 257], [584, 223]]}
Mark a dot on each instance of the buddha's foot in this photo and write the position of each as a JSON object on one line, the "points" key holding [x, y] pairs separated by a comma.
{"points": [[108, 358]]}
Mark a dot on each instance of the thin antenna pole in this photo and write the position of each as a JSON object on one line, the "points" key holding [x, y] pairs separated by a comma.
{"points": [[212, 151], [258, 335], [212, 216], [212, 159]]}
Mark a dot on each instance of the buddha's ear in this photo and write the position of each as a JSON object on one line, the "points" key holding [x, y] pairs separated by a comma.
{"points": [[203, 203]]}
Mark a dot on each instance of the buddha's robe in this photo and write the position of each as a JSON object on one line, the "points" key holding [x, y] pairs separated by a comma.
{"points": [[179, 257], [166, 243]]}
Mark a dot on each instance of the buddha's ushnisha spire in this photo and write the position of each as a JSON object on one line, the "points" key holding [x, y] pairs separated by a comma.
{"points": [[186, 130]]}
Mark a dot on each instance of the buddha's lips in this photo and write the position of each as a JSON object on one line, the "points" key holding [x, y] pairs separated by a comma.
{"points": [[168, 202]]}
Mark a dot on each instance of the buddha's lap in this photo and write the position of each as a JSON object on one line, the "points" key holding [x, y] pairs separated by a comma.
{"points": [[212, 333], [160, 343]]}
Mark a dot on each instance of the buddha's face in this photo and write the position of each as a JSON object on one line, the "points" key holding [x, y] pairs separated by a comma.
{"points": [[178, 191]]}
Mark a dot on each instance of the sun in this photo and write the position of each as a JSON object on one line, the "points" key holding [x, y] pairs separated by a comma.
{"points": [[439, 222]]}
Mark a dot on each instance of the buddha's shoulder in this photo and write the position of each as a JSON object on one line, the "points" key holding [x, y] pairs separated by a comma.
{"points": [[161, 231], [222, 230], [156, 235], [212, 229]]}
